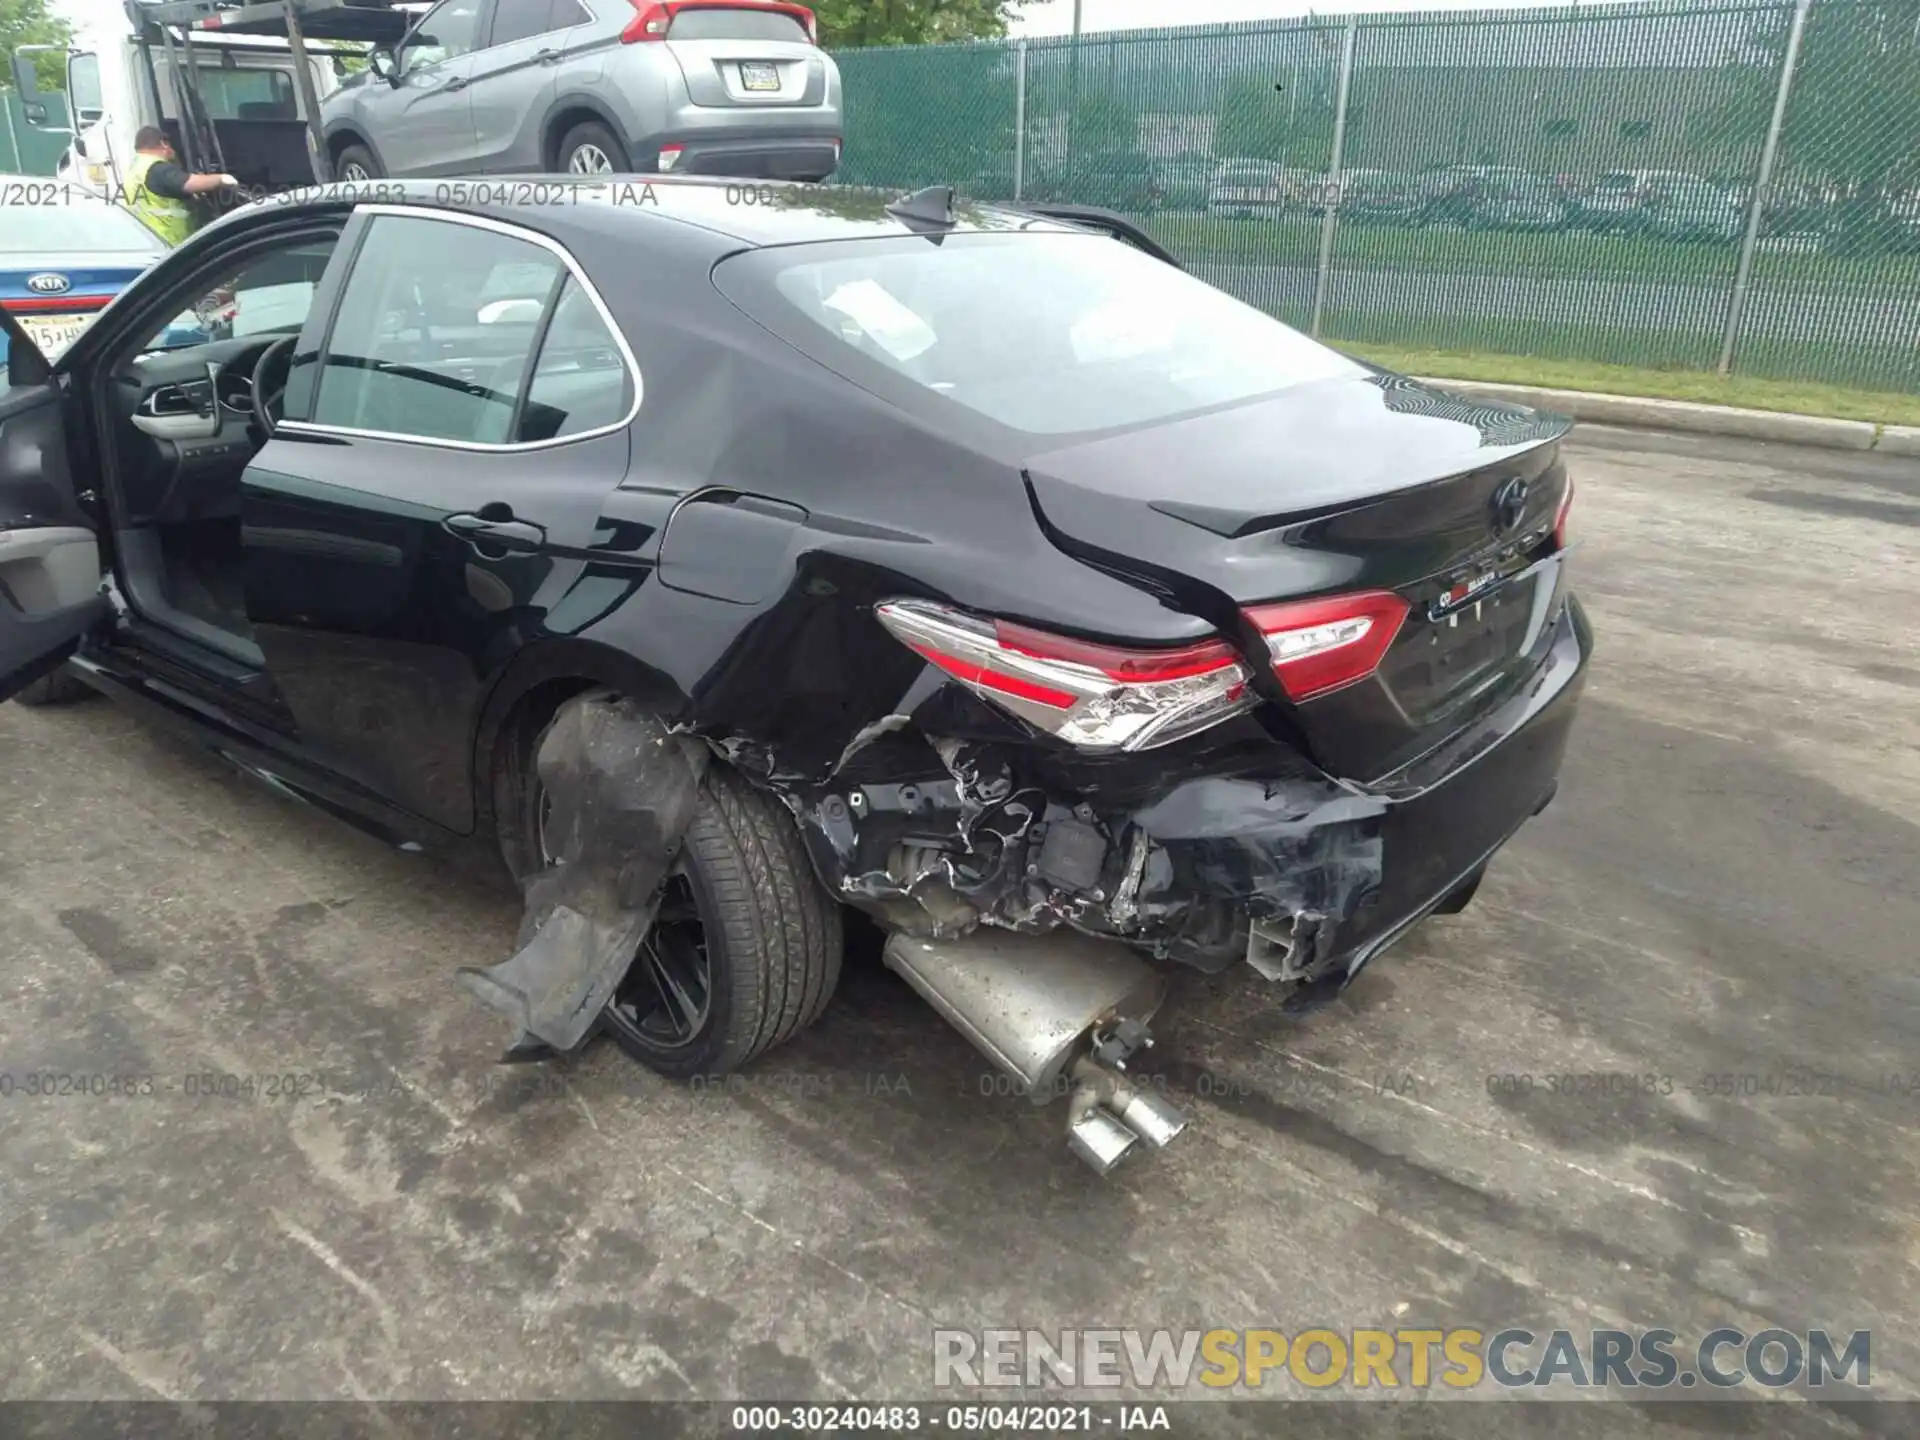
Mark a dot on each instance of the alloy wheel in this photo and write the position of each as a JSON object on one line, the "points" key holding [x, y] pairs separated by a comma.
{"points": [[589, 160]]}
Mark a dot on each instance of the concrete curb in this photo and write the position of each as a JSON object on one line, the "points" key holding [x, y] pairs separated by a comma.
{"points": [[1686, 416]]}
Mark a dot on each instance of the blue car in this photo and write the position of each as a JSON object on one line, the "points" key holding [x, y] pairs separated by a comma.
{"points": [[64, 253]]}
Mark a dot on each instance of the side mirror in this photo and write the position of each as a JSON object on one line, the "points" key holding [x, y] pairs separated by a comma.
{"points": [[26, 84], [386, 64]]}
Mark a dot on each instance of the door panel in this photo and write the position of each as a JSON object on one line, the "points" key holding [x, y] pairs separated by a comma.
{"points": [[514, 80], [383, 624], [430, 128], [50, 564]]}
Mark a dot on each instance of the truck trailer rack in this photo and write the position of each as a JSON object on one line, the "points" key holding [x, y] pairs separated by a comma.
{"points": [[173, 25]]}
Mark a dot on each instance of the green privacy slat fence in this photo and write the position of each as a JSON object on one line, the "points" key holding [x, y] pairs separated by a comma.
{"points": [[1720, 183], [23, 149]]}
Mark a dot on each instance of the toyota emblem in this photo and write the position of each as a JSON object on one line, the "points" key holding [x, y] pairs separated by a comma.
{"points": [[1509, 506], [49, 283]]}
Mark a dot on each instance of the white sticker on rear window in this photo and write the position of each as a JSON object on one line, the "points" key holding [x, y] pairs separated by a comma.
{"points": [[888, 323]]}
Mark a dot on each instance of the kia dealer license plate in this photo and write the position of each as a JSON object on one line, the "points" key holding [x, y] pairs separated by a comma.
{"points": [[759, 75], [53, 333]]}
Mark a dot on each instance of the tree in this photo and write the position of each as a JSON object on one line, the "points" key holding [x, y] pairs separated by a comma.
{"points": [[853, 24], [30, 22]]}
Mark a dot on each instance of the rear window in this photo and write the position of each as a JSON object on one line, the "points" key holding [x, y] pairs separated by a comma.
{"points": [[76, 223], [1048, 334], [731, 24]]}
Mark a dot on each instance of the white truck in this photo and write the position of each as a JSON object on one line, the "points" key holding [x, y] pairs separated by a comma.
{"points": [[234, 87]]}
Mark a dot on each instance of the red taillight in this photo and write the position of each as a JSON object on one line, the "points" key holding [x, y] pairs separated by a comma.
{"points": [[652, 19], [650, 22], [1321, 645], [1560, 516], [1096, 697]]}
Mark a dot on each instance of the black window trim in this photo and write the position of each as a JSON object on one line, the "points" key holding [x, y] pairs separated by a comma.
{"points": [[570, 266]]}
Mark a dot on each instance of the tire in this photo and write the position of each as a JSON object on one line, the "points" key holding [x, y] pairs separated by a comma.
{"points": [[585, 140], [357, 158], [770, 934], [59, 688]]}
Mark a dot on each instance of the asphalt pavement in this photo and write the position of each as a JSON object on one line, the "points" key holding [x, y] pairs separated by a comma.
{"points": [[1721, 903]]}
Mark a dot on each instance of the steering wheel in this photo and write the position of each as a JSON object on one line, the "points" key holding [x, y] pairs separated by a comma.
{"points": [[276, 354]]}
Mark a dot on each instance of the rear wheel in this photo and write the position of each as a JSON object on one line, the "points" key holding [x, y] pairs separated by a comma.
{"points": [[590, 148], [745, 950], [356, 166]]}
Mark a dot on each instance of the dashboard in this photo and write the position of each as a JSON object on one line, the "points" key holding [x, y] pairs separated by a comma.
{"points": [[185, 429]]}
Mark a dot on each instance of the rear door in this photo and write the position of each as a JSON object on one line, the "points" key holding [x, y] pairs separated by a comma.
{"points": [[747, 54], [434, 497], [515, 76], [50, 561]]}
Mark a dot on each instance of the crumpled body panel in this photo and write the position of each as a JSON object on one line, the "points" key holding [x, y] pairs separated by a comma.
{"points": [[620, 790]]}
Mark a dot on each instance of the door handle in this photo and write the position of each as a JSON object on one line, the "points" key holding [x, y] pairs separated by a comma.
{"points": [[504, 533], [546, 57], [459, 82]]}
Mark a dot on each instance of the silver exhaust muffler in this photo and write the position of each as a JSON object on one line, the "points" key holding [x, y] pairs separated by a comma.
{"points": [[1059, 1014]]}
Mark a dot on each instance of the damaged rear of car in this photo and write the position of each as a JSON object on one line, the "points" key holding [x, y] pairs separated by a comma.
{"points": [[1092, 625]]}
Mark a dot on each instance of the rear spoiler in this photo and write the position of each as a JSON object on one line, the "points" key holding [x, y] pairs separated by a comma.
{"points": [[1092, 217]]}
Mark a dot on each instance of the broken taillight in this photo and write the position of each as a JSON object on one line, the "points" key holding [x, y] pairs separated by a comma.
{"points": [[1322, 645], [1096, 697]]}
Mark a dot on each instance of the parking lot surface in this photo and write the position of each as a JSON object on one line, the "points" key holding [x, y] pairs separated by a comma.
{"points": [[1722, 903]]}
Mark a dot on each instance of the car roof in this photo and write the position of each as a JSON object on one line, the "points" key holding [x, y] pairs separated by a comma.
{"points": [[750, 213]]}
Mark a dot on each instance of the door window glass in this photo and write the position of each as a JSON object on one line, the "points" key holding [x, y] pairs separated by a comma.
{"points": [[517, 19], [447, 33], [268, 293], [436, 326], [580, 382]]}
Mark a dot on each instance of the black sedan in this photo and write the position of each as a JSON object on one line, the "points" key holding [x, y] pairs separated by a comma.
{"points": [[728, 557]]}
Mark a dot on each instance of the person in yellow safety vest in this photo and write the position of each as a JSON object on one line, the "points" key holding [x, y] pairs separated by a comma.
{"points": [[159, 191]]}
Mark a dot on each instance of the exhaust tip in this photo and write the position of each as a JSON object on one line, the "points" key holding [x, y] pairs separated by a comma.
{"points": [[1100, 1139], [1152, 1118]]}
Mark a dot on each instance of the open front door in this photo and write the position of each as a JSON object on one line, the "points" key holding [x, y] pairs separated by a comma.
{"points": [[50, 562]]}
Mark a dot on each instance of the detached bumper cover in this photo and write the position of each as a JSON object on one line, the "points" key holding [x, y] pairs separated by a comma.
{"points": [[1180, 853]]}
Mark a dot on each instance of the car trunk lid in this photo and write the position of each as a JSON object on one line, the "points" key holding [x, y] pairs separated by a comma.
{"points": [[743, 54], [1333, 488]]}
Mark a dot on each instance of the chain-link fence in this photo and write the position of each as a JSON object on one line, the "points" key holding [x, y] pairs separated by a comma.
{"points": [[25, 150], [1729, 184]]}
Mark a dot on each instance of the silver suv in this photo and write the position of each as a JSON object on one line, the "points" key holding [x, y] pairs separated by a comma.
{"points": [[712, 87]]}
